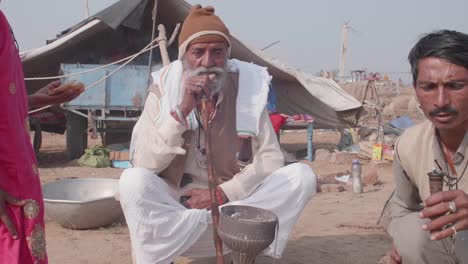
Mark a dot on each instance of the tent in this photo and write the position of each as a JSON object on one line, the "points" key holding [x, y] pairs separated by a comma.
{"points": [[125, 27]]}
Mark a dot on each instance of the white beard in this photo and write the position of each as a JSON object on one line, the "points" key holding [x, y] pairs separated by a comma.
{"points": [[218, 82]]}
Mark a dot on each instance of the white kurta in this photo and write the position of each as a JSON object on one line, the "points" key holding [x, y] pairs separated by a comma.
{"points": [[161, 229]]}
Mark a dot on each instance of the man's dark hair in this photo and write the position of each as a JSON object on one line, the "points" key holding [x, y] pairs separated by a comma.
{"points": [[449, 45]]}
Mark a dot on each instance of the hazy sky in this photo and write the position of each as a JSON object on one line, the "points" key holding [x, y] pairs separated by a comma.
{"points": [[309, 31]]}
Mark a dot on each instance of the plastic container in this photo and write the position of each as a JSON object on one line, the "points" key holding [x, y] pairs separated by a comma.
{"points": [[356, 176]]}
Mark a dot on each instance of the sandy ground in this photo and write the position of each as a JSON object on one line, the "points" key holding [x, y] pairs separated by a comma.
{"points": [[334, 227]]}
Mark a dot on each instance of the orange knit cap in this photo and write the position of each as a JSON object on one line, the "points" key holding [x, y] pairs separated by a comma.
{"points": [[202, 26]]}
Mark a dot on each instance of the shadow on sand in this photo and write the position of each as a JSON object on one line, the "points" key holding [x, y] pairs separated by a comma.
{"points": [[338, 249]]}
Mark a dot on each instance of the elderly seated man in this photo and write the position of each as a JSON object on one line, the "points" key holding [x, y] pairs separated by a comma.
{"points": [[169, 159]]}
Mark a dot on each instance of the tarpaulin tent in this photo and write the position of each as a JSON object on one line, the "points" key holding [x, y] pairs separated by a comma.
{"points": [[126, 26]]}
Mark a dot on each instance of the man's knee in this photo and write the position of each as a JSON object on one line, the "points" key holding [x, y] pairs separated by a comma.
{"points": [[303, 177], [133, 181], [413, 243]]}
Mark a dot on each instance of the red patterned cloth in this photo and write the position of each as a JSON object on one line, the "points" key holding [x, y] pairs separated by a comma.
{"points": [[18, 166], [302, 118], [277, 120]]}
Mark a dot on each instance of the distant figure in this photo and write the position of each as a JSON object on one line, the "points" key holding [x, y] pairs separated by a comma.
{"points": [[433, 228]]}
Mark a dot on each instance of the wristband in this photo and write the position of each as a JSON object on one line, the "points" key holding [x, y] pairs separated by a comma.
{"points": [[179, 115]]}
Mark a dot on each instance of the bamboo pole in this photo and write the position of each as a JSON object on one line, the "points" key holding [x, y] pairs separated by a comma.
{"points": [[206, 114], [344, 48], [163, 44], [86, 8], [398, 86], [153, 32]]}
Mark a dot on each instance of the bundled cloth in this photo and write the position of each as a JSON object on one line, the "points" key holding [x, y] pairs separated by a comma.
{"points": [[301, 118], [277, 121], [97, 157]]}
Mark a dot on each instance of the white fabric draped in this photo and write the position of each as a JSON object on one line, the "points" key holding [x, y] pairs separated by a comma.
{"points": [[161, 229]]}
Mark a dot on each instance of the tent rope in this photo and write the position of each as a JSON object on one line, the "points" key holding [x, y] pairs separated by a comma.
{"points": [[127, 60], [150, 59], [90, 70]]}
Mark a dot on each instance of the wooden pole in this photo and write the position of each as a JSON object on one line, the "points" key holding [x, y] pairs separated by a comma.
{"points": [[344, 48], [206, 114], [270, 45], [86, 8], [163, 45], [398, 86], [153, 32]]}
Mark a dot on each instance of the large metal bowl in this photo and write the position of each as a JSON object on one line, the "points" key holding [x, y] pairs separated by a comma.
{"points": [[82, 203]]}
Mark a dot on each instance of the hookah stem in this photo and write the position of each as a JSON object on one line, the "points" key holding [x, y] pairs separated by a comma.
{"points": [[206, 113]]}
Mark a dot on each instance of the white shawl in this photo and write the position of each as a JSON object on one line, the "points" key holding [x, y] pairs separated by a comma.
{"points": [[251, 98]]}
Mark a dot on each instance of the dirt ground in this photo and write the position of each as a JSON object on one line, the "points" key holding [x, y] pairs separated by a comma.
{"points": [[335, 227]]}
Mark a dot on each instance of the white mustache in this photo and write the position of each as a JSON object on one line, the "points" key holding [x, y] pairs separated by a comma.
{"points": [[207, 71], [218, 82]]}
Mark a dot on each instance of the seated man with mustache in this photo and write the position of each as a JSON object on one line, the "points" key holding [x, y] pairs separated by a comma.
{"points": [[432, 228], [165, 195]]}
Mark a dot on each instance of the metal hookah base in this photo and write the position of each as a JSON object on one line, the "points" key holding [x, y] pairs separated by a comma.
{"points": [[241, 258], [247, 231]]}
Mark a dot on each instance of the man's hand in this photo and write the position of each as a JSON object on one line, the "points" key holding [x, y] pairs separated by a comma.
{"points": [[195, 87], [55, 93], [437, 208], [5, 199], [394, 256], [199, 199]]}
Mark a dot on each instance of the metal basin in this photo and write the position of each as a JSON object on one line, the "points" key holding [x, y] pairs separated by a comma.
{"points": [[246, 230], [82, 203]]}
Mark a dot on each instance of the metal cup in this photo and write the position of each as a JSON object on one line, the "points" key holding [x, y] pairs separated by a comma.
{"points": [[436, 181]]}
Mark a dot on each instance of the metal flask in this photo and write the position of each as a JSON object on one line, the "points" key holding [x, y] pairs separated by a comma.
{"points": [[436, 181]]}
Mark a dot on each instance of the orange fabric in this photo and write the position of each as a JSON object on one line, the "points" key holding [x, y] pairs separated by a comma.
{"points": [[202, 19], [208, 39]]}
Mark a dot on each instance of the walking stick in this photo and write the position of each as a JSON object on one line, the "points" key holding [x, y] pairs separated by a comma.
{"points": [[206, 115]]}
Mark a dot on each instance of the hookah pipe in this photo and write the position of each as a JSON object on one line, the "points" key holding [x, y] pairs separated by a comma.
{"points": [[207, 109]]}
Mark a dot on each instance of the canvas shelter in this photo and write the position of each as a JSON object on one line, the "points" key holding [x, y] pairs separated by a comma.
{"points": [[125, 27]]}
